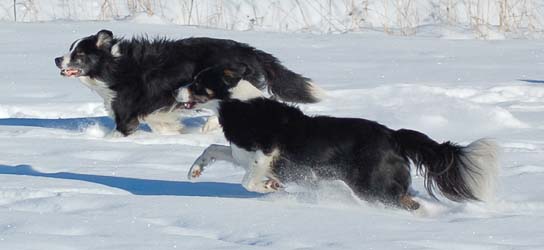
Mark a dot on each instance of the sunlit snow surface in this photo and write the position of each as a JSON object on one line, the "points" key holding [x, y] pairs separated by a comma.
{"points": [[64, 185]]}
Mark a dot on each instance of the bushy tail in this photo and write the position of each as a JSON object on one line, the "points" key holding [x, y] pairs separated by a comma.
{"points": [[286, 84], [460, 173]]}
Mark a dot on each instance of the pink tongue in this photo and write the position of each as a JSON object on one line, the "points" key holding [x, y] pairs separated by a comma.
{"points": [[189, 105], [71, 72]]}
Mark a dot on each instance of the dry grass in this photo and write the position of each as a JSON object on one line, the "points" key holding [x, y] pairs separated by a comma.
{"points": [[401, 17]]}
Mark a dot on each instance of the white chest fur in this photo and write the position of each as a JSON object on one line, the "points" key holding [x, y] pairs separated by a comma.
{"points": [[102, 89], [242, 157], [258, 168]]}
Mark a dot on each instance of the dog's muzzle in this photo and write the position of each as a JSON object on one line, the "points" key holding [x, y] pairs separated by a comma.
{"points": [[70, 72]]}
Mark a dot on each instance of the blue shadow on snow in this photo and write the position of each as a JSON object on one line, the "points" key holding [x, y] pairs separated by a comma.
{"points": [[532, 81], [78, 124], [60, 123], [143, 186]]}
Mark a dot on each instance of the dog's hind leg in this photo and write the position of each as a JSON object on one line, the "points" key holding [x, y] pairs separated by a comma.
{"points": [[408, 203], [212, 153], [259, 168], [390, 182], [164, 123]]}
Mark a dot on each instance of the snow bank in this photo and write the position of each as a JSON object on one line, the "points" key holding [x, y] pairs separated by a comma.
{"points": [[485, 19]]}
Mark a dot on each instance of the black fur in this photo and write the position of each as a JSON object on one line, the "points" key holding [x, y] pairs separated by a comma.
{"points": [[217, 81], [371, 158], [147, 74], [441, 163]]}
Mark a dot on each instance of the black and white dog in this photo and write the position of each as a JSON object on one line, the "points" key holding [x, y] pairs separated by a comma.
{"points": [[139, 78], [277, 143]]}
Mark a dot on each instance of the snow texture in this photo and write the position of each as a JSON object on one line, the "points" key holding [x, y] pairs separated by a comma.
{"points": [[483, 19], [66, 186]]}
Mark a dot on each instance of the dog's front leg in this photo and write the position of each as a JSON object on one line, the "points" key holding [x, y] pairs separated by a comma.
{"points": [[126, 125], [259, 168], [126, 120], [212, 153]]}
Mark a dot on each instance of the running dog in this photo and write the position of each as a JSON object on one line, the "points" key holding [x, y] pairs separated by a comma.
{"points": [[277, 143], [139, 78]]}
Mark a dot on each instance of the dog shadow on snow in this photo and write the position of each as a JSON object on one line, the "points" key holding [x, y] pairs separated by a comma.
{"points": [[81, 123], [532, 81], [142, 186], [73, 124]]}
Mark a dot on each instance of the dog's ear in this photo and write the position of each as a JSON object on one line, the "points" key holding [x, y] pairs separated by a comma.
{"points": [[234, 72], [104, 39]]}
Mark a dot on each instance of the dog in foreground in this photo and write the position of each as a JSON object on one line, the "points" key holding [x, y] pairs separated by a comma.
{"points": [[139, 78], [277, 143]]}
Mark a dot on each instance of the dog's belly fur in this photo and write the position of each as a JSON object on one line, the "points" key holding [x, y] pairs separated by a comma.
{"points": [[164, 123]]}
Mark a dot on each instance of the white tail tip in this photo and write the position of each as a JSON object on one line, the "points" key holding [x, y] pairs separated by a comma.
{"points": [[482, 175], [317, 92]]}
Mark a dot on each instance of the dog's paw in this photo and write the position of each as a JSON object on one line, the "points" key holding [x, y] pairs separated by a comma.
{"points": [[211, 124], [264, 187], [195, 172], [114, 134], [409, 203], [272, 185]]}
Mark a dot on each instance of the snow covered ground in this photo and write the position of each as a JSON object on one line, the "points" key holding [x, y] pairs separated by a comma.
{"points": [[65, 186]]}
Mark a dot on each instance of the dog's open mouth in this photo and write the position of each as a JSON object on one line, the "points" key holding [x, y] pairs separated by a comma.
{"points": [[188, 105], [70, 72]]}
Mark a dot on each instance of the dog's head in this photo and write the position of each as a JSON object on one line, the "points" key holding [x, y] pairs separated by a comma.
{"points": [[86, 54], [220, 82]]}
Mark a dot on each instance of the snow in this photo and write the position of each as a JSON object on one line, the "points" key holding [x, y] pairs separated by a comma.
{"points": [[66, 185], [467, 19]]}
